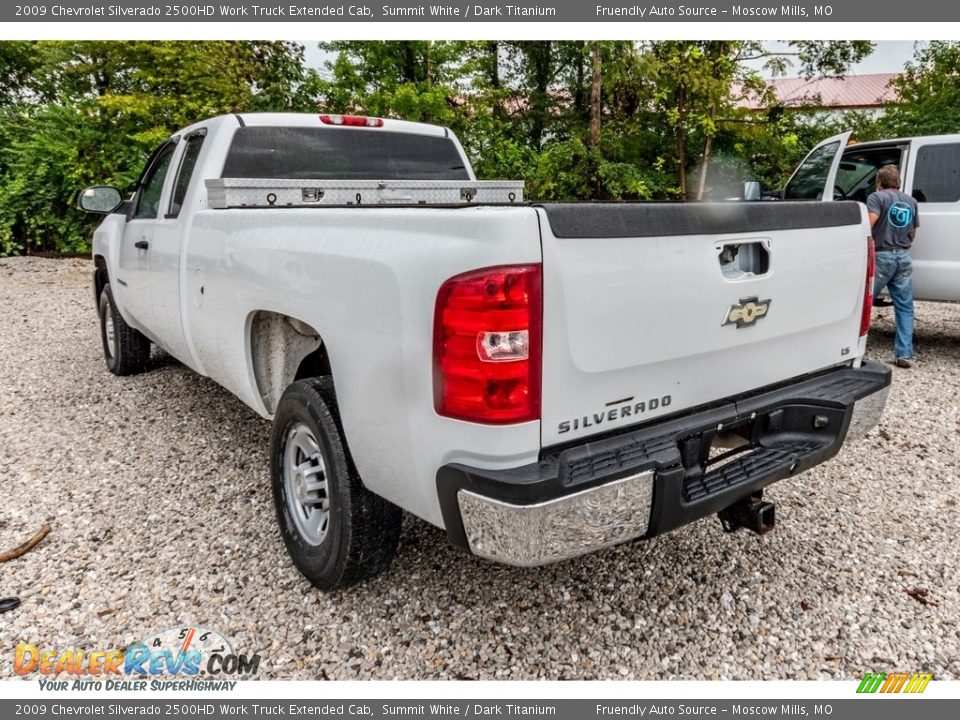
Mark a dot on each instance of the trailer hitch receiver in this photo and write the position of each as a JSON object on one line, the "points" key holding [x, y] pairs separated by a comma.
{"points": [[751, 512]]}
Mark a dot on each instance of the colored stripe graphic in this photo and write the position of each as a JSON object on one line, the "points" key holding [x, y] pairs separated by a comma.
{"points": [[871, 683], [894, 683], [918, 683]]}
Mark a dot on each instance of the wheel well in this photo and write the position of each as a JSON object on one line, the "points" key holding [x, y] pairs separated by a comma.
{"points": [[316, 364], [100, 277], [284, 349]]}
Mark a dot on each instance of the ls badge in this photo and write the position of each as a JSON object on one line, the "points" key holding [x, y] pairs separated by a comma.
{"points": [[747, 312]]}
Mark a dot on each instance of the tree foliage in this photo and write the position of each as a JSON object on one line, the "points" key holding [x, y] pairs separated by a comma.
{"points": [[576, 120], [929, 91], [80, 113]]}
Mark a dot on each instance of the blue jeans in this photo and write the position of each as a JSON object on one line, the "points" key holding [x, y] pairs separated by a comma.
{"points": [[894, 271]]}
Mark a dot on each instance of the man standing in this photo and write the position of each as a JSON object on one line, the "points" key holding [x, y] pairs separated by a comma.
{"points": [[893, 217]]}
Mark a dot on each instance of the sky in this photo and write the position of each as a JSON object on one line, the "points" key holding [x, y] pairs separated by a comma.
{"points": [[889, 56]]}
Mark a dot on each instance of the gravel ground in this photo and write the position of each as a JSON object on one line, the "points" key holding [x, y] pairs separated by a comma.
{"points": [[158, 493]]}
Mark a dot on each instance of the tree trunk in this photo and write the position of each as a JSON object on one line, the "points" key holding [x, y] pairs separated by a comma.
{"points": [[719, 51], [579, 89], [492, 48], [705, 161], [681, 141], [409, 62], [595, 96], [540, 58], [429, 64]]}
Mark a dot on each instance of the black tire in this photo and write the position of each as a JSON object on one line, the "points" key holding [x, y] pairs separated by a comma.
{"points": [[362, 529], [129, 352]]}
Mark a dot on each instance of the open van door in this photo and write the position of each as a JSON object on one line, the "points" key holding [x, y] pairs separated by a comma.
{"points": [[815, 177]]}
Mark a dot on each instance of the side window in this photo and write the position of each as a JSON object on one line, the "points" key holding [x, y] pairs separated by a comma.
{"points": [[149, 201], [937, 176], [187, 165], [808, 181]]}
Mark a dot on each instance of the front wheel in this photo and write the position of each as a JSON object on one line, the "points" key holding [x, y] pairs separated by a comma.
{"points": [[125, 349], [336, 531]]}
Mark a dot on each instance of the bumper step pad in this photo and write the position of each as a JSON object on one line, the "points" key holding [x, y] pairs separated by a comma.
{"points": [[752, 464]]}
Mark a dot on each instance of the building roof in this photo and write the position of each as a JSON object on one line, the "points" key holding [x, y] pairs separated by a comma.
{"points": [[853, 92]]}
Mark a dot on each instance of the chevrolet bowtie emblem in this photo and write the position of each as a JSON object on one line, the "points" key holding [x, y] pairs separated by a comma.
{"points": [[747, 312]]}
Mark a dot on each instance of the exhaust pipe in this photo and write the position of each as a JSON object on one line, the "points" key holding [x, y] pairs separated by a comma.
{"points": [[751, 512]]}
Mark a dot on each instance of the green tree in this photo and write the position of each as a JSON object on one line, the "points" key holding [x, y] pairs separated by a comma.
{"points": [[929, 93], [18, 62], [697, 85], [78, 113], [412, 79]]}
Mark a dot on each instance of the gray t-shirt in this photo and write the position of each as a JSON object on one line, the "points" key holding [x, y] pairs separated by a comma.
{"points": [[896, 218]]}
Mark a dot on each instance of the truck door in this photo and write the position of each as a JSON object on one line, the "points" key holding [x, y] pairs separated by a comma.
{"points": [[815, 177], [133, 279], [167, 245], [933, 179]]}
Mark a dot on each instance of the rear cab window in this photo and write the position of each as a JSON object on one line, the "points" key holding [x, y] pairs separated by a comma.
{"points": [[188, 163], [305, 153]]}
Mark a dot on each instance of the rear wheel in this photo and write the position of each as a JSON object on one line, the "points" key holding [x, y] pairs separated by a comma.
{"points": [[336, 531], [125, 350]]}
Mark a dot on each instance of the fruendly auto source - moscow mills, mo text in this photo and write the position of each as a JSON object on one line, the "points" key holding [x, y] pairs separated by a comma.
{"points": [[454, 11]]}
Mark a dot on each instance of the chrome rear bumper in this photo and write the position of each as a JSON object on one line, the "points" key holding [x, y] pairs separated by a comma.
{"points": [[531, 535], [867, 413], [646, 481]]}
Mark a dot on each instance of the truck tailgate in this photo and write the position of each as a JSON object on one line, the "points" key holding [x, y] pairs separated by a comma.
{"points": [[650, 309]]}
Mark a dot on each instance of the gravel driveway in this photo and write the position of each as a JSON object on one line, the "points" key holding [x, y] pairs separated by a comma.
{"points": [[158, 492]]}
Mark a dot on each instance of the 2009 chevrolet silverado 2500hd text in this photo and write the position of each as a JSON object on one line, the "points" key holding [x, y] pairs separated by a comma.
{"points": [[837, 169], [540, 380]]}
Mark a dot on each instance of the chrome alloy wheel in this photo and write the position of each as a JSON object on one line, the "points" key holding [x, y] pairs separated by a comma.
{"points": [[305, 482], [109, 330]]}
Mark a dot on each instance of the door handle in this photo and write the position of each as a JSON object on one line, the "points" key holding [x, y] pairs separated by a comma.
{"points": [[141, 244]]}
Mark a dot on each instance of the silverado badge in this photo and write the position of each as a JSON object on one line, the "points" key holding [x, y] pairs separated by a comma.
{"points": [[747, 312]]}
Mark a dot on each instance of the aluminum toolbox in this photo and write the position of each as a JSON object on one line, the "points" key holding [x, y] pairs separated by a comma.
{"points": [[253, 192]]}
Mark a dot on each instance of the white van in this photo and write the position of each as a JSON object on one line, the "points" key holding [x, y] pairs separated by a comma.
{"points": [[837, 169]]}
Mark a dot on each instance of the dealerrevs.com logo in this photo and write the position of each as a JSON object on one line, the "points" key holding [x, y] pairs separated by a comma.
{"points": [[201, 657]]}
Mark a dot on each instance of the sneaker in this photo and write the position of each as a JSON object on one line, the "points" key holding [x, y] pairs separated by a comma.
{"points": [[882, 302], [904, 362]]}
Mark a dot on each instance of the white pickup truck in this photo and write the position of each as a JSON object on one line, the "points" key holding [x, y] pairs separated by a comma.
{"points": [[539, 380], [837, 169]]}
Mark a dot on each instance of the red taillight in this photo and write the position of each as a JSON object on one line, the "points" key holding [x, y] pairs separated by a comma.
{"points": [[352, 120], [486, 345], [868, 290]]}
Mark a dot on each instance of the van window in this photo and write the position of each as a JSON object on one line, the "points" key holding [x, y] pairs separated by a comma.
{"points": [[810, 178], [857, 173], [937, 177]]}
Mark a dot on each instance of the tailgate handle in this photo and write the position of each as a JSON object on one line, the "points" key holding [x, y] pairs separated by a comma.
{"points": [[141, 244], [744, 260]]}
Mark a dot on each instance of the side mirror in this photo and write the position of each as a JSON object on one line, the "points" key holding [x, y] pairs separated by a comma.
{"points": [[100, 199], [752, 190]]}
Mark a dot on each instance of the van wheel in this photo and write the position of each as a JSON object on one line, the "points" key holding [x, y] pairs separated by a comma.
{"points": [[125, 350], [336, 531]]}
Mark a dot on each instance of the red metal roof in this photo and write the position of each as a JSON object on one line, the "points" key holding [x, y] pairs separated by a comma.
{"points": [[845, 93]]}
